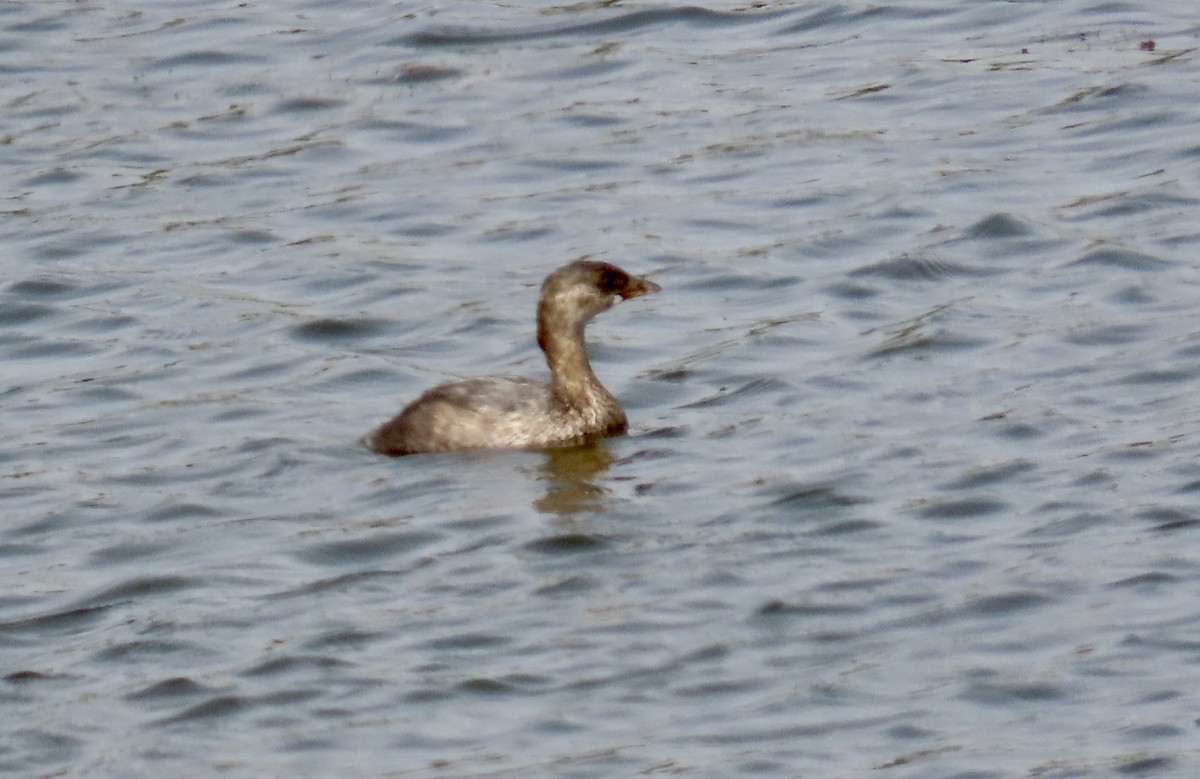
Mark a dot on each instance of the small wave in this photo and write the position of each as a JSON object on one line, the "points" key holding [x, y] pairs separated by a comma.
{"points": [[467, 36], [908, 267], [1100, 98], [202, 59], [329, 329], [999, 226], [1127, 259]]}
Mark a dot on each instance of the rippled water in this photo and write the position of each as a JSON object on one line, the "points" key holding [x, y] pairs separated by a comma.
{"points": [[911, 486]]}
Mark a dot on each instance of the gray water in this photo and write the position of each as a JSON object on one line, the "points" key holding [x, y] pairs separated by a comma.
{"points": [[911, 485]]}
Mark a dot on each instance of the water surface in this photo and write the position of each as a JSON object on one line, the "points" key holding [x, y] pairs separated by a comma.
{"points": [[910, 489]]}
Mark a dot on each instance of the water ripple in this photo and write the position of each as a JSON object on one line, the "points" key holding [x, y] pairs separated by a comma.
{"points": [[622, 23], [1124, 259]]}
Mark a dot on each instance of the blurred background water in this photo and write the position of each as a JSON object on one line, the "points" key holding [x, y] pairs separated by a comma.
{"points": [[911, 485]]}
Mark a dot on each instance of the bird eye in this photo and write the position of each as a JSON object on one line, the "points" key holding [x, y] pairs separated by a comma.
{"points": [[612, 280]]}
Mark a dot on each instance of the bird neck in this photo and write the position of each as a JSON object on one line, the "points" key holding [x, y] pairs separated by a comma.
{"points": [[571, 376]]}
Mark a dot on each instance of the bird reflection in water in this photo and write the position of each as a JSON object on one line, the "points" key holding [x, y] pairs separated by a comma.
{"points": [[569, 474]]}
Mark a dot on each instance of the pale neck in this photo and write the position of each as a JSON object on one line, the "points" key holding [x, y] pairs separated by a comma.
{"points": [[571, 373]]}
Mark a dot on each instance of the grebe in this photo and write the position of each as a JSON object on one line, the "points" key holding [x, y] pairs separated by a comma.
{"points": [[492, 412]]}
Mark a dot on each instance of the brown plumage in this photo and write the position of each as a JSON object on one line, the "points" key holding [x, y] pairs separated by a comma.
{"points": [[492, 412]]}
